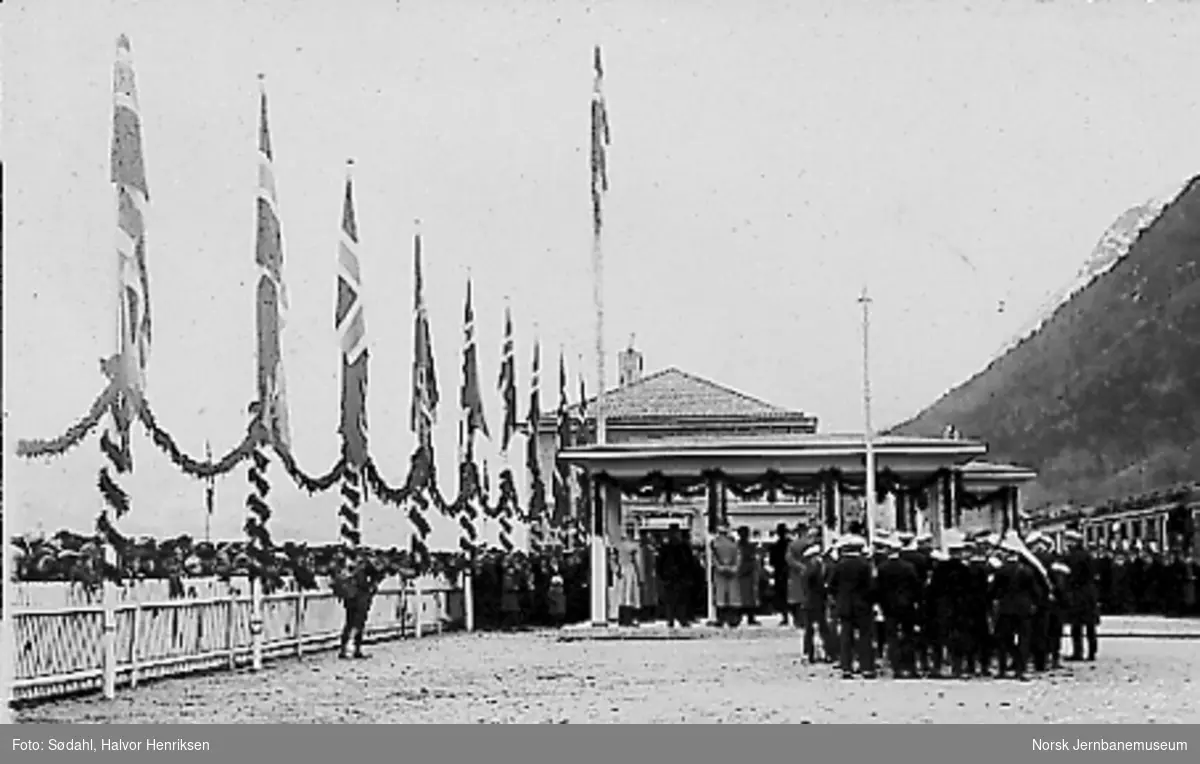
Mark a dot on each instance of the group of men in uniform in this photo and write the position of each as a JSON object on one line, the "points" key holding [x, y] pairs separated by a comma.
{"points": [[977, 604]]}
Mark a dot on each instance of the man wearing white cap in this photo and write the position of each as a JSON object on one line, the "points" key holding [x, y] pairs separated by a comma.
{"points": [[852, 586], [899, 594], [1014, 591], [1082, 611]]}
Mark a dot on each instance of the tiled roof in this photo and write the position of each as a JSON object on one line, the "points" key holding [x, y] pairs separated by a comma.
{"points": [[675, 394]]}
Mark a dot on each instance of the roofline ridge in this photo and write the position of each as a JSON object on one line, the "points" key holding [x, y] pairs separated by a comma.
{"points": [[739, 393]]}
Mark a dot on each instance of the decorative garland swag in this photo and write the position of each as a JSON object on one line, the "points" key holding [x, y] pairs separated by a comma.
{"points": [[419, 491], [772, 483]]}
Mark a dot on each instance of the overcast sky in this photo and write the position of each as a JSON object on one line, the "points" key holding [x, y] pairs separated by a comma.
{"points": [[766, 159]]}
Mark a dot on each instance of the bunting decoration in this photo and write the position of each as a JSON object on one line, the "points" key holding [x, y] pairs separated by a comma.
{"points": [[424, 394], [350, 321], [537, 488], [258, 511]]}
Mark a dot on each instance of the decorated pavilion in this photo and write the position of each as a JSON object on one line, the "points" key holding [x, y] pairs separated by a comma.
{"points": [[680, 448]]}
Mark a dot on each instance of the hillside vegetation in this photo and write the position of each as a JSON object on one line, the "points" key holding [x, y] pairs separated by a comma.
{"points": [[1104, 399]]}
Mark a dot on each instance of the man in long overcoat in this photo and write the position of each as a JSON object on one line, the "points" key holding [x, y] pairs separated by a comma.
{"points": [[674, 568], [651, 585], [1083, 608], [726, 592], [781, 572], [795, 561], [812, 588], [749, 574]]}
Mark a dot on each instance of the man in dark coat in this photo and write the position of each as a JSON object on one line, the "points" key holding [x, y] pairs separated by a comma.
{"points": [[1059, 574], [946, 626], [357, 587], [1082, 612], [814, 603], [917, 552], [1041, 639], [899, 595], [748, 574], [1014, 592], [976, 606], [852, 586], [675, 565], [780, 571]]}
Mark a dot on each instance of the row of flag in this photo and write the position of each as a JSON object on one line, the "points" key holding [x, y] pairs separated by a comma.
{"points": [[129, 177]]}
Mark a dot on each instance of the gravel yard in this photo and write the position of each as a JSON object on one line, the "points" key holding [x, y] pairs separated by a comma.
{"points": [[533, 678]]}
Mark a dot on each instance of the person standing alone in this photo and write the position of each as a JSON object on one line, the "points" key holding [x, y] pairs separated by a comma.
{"points": [[675, 565]]}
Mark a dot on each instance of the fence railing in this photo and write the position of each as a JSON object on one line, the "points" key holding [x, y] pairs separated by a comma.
{"points": [[64, 651]]}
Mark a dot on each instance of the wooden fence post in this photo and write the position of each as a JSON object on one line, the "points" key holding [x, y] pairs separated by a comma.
{"points": [[109, 595], [469, 598], [256, 625], [300, 603], [133, 645], [418, 628], [8, 670], [230, 644]]}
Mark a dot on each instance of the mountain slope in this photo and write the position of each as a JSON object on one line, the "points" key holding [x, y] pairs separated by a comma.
{"points": [[1103, 397]]}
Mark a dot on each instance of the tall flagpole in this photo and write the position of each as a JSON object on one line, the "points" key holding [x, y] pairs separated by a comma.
{"points": [[598, 583], [868, 433]]}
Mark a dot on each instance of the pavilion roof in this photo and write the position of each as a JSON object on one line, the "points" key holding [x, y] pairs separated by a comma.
{"points": [[673, 394]]}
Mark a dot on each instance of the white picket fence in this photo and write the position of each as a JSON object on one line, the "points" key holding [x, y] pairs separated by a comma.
{"points": [[66, 650]]}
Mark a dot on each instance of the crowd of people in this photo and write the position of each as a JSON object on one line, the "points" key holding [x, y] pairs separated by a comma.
{"points": [[983, 603]]}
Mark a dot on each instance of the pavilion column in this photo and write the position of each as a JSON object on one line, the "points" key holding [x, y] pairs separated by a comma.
{"points": [[711, 522], [1014, 508], [946, 500], [598, 578], [839, 509], [901, 509]]}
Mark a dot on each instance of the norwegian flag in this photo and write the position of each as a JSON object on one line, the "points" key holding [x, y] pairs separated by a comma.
{"points": [[133, 201], [425, 386], [272, 292], [601, 138], [537, 488], [562, 471], [507, 383], [351, 325], [470, 396]]}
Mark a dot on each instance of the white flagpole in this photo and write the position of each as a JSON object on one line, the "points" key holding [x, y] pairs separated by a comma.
{"points": [[868, 434], [599, 549]]}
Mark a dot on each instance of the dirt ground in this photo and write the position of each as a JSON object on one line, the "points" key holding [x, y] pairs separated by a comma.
{"points": [[533, 678]]}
